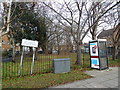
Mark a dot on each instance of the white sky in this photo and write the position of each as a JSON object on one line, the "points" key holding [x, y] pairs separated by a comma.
{"points": [[86, 39], [104, 26]]}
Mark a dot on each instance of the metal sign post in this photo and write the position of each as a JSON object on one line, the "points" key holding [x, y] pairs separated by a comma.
{"points": [[32, 60], [28, 43], [21, 61]]}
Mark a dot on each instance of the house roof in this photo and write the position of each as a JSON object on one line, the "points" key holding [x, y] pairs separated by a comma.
{"points": [[110, 32], [105, 33]]}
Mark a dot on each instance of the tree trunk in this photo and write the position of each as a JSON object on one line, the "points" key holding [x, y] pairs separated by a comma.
{"points": [[93, 37], [113, 55], [94, 29], [58, 46], [78, 61], [46, 49], [115, 51], [51, 49], [58, 49], [13, 52]]}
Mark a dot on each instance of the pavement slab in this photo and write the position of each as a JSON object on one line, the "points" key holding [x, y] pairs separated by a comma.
{"points": [[107, 78]]}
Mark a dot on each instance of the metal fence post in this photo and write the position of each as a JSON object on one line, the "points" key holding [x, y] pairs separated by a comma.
{"points": [[32, 61], [21, 61]]}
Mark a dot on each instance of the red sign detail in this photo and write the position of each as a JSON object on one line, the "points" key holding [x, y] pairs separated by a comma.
{"points": [[95, 46], [93, 56]]}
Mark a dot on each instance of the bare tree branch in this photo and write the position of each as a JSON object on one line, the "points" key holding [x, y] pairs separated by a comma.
{"points": [[99, 18]]}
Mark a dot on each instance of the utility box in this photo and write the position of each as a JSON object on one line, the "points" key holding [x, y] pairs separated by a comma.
{"points": [[98, 54], [61, 65]]}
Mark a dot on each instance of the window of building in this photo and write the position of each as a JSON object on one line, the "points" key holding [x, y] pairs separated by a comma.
{"points": [[3, 42]]}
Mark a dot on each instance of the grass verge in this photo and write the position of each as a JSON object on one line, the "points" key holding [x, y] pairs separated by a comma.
{"points": [[50, 79], [114, 63], [45, 80]]}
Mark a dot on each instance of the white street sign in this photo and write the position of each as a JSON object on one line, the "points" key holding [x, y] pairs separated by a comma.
{"points": [[29, 43]]}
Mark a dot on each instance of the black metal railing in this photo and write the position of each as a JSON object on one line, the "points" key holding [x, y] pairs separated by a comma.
{"points": [[42, 63]]}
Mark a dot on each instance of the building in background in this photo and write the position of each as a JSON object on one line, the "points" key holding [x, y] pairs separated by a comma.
{"points": [[6, 46], [108, 35], [113, 39]]}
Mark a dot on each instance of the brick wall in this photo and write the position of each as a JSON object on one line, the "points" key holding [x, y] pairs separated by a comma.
{"points": [[5, 43]]}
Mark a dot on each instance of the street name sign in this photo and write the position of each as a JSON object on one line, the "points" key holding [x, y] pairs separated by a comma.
{"points": [[29, 43]]}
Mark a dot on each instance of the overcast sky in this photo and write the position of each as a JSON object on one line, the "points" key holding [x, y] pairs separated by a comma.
{"points": [[86, 39], [103, 26]]}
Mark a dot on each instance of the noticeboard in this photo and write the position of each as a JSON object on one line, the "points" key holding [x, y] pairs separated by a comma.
{"points": [[94, 55], [98, 54], [94, 49], [29, 43]]}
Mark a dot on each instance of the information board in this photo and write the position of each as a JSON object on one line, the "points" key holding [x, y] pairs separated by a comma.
{"points": [[94, 55], [95, 63], [29, 43], [94, 49], [98, 54]]}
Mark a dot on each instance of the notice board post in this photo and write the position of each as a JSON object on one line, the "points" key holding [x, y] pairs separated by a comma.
{"points": [[98, 54], [28, 43]]}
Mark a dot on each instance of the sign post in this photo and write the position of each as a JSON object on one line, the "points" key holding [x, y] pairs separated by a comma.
{"points": [[21, 61], [32, 60], [28, 43], [98, 54]]}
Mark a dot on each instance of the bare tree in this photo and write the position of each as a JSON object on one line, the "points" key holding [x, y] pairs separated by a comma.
{"points": [[7, 22], [77, 21], [93, 16], [9, 17], [112, 19]]}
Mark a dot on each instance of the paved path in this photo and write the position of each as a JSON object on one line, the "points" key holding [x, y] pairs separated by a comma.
{"points": [[102, 79]]}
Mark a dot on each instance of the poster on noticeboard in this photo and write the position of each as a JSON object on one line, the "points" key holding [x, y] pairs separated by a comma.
{"points": [[95, 63], [94, 49]]}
